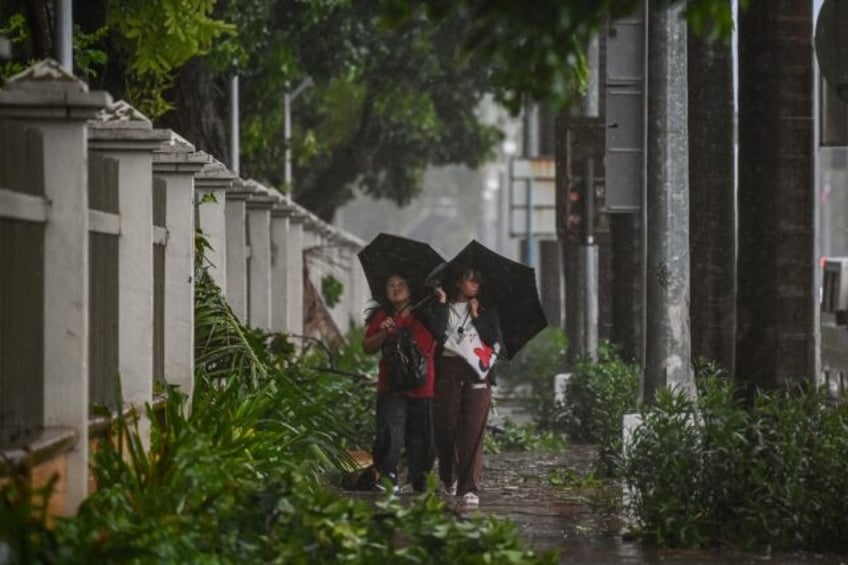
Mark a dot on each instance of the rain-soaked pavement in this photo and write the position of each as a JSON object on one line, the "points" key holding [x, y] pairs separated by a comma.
{"points": [[546, 495], [554, 507], [520, 486]]}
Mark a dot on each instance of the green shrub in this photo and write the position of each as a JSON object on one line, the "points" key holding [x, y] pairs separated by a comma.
{"points": [[241, 477], [331, 290], [530, 374], [523, 437], [346, 381], [770, 475], [596, 398], [206, 495]]}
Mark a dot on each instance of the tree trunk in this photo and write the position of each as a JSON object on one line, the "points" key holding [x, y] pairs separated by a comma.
{"points": [[200, 101], [667, 351], [776, 296], [712, 213]]}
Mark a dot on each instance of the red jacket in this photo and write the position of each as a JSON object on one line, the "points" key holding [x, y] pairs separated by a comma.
{"points": [[426, 343]]}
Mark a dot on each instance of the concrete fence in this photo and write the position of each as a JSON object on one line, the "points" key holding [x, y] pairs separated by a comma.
{"points": [[98, 211]]}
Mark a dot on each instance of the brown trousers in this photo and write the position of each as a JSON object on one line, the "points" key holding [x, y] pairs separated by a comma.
{"points": [[460, 412]]}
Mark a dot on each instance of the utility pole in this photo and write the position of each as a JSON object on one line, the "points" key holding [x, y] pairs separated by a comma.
{"points": [[667, 362], [65, 34], [589, 268], [235, 138], [531, 150], [288, 98]]}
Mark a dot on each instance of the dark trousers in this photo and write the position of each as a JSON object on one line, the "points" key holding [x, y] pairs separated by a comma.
{"points": [[404, 424], [460, 413]]}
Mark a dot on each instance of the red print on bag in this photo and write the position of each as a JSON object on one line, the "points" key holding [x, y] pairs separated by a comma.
{"points": [[484, 354]]}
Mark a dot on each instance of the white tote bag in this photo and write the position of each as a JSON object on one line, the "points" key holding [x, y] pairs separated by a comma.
{"points": [[467, 344]]}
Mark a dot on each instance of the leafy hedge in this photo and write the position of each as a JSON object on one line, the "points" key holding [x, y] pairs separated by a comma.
{"points": [[768, 475], [241, 477], [597, 397], [530, 374]]}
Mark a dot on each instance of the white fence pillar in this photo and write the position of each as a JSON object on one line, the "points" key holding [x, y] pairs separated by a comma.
{"points": [[177, 162], [238, 249], [294, 276], [210, 185], [56, 104], [259, 227], [123, 134], [279, 267]]}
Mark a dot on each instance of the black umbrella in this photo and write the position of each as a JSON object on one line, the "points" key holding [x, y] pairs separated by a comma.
{"points": [[388, 255], [508, 287]]}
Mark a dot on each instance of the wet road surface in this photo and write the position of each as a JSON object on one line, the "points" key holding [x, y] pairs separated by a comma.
{"points": [[545, 496]]}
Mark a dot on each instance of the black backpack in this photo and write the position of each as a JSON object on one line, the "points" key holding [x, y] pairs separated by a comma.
{"points": [[407, 366]]}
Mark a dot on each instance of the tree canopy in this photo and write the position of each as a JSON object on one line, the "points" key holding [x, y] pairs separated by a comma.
{"points": [[536, 49], [396, 84], [385, 102]]}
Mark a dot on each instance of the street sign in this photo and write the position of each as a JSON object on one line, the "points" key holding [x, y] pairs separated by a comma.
{"points": [[532, 182], [833, 117], [625, 114], [831, 45]]}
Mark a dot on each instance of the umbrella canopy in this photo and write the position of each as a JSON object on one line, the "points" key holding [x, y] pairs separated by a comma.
{"points": [[508, 287], [389, 254]]}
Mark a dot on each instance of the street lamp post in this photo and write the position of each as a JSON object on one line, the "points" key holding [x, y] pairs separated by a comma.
{"points": [[64, 35], [235, 138], [288, 98]]}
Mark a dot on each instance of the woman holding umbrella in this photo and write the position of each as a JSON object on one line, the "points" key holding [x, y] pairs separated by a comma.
{"points": [[404, 417], [395, 268], [471, 311], [470, 345]]}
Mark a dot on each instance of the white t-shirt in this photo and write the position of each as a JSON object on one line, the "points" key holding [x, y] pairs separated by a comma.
{"points": [[459, 319]]}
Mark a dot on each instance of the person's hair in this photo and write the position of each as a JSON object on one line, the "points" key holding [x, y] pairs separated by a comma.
{"points": [[462, 273], [382, 303]]}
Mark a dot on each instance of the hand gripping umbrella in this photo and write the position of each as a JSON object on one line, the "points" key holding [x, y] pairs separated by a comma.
{"points": [[388, 254], [509, 288]]}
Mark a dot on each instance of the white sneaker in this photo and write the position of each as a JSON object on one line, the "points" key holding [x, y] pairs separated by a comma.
{"points": [[395, 489], [470, 499], [449, 490]]}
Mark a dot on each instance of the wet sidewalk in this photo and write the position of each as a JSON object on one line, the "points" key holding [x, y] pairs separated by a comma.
{"points": [[546, 495], [554, 507], [527, 488]]}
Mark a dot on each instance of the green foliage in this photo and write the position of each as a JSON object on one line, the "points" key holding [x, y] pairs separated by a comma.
{"points": [[569, 478], [536, 49], [596, 398], [143, 41], [348, 385], [157, 37], [530, 373], [712, 19], [25, 536], [331, 290], [16, 31], [523, 437], [350, 356], [720, 473], [240, 477], [382, 105], [87, 56]]}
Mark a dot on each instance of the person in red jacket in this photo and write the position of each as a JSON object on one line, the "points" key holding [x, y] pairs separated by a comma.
{"points": [[404, 418]]}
